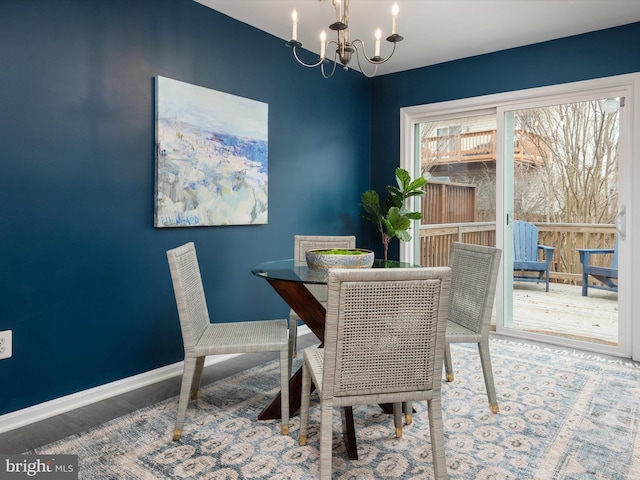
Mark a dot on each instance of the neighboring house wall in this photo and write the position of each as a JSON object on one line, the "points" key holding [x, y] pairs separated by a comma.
{"points": [[466, 124]]}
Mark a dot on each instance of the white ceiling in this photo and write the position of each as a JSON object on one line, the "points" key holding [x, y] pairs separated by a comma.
{"points": [[434, 31]]}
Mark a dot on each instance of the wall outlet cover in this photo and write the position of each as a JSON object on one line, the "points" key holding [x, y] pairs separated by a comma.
{"points": [[6, 344]]}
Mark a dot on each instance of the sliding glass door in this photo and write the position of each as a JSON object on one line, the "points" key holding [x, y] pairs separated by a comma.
{"points": [[561, 167], [560, 159]]}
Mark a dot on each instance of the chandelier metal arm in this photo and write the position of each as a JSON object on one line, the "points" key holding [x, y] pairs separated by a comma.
{"points": [[308, 65], [372, 60], [333, 70], [321, 62], [362, 70], [335, 60]]}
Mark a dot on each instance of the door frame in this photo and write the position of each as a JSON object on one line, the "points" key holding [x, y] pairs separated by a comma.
{"points": [[629, 86]]}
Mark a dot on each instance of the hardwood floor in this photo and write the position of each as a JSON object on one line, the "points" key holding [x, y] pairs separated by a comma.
{"points": [[26, 438]]}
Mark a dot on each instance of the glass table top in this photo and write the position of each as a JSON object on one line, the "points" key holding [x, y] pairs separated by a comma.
{"points": [[292, 271]]}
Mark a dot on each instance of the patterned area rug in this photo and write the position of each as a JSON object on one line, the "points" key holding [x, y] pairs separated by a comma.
{"points": [[562, 415]]}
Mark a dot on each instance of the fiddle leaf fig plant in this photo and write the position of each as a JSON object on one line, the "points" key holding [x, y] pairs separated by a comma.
{"points": [[392, 219]]}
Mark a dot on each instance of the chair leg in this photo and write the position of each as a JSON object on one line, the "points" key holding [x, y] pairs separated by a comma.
{"points": [[284, 389], [547, 280], [485, 360], [585, 284], [294, 336], [397, 418], [408, 412], [293, 339], [304, 404], [326, 437], [436, 431], [448, 365], [197, 375], [187, 379]]}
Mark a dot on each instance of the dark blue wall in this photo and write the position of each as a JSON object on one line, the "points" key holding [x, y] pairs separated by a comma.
{"points": [[85, 285], [598, 54]]}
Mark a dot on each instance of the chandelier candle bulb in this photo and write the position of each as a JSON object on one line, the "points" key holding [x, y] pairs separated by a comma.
{"points": [[336, 3], [394, 11], [294, 26], [377, 50], [323, 43]]}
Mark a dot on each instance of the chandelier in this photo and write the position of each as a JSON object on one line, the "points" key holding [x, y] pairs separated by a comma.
{"points": [[345, 48]]}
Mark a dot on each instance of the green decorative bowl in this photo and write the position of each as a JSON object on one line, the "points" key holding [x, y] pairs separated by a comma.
{"points": [[340, 258]]}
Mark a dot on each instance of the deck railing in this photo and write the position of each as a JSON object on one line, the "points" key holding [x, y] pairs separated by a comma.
{"points": [[479, 146], [436, 241]]}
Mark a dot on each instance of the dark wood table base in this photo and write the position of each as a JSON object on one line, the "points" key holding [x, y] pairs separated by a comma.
{"points": [[312, 313]]}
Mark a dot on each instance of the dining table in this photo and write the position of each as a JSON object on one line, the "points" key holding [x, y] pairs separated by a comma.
{"points": [[288, 278]]}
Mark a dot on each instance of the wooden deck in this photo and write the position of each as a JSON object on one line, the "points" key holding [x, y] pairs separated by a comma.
{"points": [[563, 311]]}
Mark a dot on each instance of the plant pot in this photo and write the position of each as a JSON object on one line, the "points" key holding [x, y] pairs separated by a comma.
{"points": [[339, 258]]}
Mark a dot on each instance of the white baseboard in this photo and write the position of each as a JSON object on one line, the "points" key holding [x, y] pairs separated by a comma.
{"points": [[42, 411]]}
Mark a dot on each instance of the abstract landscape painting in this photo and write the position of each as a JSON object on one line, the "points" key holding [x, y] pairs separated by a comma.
{"points": [[211, 157]]}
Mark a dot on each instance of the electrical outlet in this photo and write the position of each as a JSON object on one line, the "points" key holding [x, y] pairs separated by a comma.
{"points": [[6, 346]]}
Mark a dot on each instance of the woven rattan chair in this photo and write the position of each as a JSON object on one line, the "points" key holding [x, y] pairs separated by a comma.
{"points": [[202, 338], [302, 243], [474, 271], [474, 274], [384, 343]]}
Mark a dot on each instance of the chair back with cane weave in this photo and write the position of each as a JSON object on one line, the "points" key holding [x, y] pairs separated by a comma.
{"points": [[473, 288], [302, 244], [202, 338], [384, 343]]}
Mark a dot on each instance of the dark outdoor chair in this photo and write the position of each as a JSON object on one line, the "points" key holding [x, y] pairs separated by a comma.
{"points": [[608, 276], [525, 254]]}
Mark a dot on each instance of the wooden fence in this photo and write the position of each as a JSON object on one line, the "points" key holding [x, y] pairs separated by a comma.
{"points": [[446, 202], [436, 240]]}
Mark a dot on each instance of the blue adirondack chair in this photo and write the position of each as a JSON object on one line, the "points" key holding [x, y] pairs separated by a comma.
{"points": [[608, 276], [525, 254]]}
